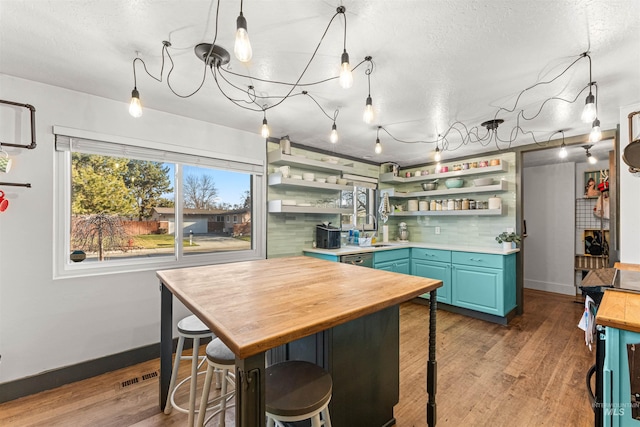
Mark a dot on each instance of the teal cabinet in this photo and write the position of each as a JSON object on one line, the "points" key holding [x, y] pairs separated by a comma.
{"points": [[396, 260], [325, 257], [434, 270], [483, 282], [617, 399]]}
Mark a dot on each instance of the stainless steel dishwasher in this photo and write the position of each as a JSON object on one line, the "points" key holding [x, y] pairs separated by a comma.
{"points": [[363, 260]]}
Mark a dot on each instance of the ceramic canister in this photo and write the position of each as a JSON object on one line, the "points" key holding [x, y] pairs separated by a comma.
{"points": [[423, 205], [495, 202], [412, 205]]}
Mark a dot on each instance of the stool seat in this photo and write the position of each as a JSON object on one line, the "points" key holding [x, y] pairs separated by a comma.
{"points": [[296, 388], [191, 325], [219, 353]]}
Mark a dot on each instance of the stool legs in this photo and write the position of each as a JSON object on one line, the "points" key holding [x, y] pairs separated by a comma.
{"points": [[194, 380], [174, 373], [222, 405]]}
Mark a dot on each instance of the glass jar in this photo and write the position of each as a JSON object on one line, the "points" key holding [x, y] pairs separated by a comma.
{"points": [[465, 204], [432, 205], [450, 205], [457, 204], [438, 205]]}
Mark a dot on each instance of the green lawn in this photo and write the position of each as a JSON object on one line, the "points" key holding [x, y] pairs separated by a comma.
{"points": [[156, 241]]}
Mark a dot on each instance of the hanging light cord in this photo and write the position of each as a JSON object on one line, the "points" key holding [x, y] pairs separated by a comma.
{"points": [[335, 113]]}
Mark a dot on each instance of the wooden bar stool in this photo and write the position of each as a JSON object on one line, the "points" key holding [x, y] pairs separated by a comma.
{"points": [[219, 359], [297, 391], [189, 327]]}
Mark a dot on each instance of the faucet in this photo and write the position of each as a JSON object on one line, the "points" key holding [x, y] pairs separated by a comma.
{"points": [[375, 223]]}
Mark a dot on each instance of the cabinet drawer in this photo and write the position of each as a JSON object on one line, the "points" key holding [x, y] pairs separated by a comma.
{"points": [[477, 259], [391, 255], [431, 254]]}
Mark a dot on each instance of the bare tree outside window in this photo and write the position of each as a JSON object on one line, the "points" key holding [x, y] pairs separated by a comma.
{"points": [[200, 192]]}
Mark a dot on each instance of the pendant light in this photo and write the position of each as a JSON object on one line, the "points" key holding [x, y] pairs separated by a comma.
{"points": [[563, 149], [590, 158], [378, 148], [264, 130], [596, 132], [346, 76], [436, 155], [242, 46], [333, 137], [367, 116], [135, 107], [589, 112]]}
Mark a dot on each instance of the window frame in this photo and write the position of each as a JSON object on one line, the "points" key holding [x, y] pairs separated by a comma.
{"points": [[108, 145]]}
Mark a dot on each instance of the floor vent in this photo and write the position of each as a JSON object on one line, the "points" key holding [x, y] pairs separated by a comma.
{"points": [[150, 375], [127, 384]]}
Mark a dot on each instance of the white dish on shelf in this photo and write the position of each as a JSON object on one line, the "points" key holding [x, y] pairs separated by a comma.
{"points": [[332, 179], [296, 176], [321, 180], [330, 159], [304, 205], [288, 202], [342, 181], [308, 176], [481, 182]]}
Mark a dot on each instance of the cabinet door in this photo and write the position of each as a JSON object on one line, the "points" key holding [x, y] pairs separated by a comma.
{"points": [[397, 266], [438, 271], [478, 288]]}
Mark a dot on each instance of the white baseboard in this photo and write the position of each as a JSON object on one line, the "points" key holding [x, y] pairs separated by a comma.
{"points": [[558, 288]]}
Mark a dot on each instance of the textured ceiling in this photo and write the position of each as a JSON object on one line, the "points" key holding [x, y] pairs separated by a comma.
{"points": [[436, 63]]}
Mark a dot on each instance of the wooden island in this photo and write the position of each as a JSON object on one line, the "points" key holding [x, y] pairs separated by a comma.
{"points": [[256, 306]]}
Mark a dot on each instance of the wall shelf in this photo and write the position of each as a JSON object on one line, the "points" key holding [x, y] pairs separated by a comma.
{"points": [[472, 212], [276, 206], [276, 157], [391, 179], [501, 187], [276, 180]]}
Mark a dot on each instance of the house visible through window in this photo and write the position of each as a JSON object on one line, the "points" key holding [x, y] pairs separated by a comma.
{"points": [[123, 205]]}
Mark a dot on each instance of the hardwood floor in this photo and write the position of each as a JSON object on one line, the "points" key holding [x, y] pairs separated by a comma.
{"points": [[529, 373]]}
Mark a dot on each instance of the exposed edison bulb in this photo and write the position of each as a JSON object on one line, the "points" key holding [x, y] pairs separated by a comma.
{"points": [[563, 151], [437, 156], [367, 116], [333, 137], [135, 107], [264, 131], [589, 111], [596, 132], [378, 146], [346, 76], [592, 160], [242, 47], [438, 167]]}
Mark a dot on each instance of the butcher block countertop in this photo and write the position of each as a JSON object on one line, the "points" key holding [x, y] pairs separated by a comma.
{"points": [[620, 309], [254, 306]]}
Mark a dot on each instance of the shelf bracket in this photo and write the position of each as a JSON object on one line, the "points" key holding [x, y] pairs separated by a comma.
{"points": [[33, 126]]}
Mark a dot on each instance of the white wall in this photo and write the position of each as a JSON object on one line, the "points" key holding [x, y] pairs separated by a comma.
{"points": [[44, 323], [629, 197], [549, 212]]}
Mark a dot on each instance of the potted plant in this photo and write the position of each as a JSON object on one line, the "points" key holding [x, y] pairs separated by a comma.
{"points": [[508, 240]]}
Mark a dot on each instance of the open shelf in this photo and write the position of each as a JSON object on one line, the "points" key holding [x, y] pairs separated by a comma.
{"points": [[276, 157], [502, 186], [276, 206], [391, 179], [276, 180], [472, 212]]}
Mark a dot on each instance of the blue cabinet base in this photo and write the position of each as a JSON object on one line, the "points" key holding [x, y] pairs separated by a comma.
{"points": [[471, 313]]}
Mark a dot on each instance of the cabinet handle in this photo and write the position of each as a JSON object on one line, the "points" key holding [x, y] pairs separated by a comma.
{"points": [[475, 259]]}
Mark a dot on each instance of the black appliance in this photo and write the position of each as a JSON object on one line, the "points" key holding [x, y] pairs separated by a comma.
{"points": [[327, 237]]}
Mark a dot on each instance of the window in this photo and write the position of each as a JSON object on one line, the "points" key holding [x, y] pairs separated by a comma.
{"points": [[132, 208], [235, 219]]}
